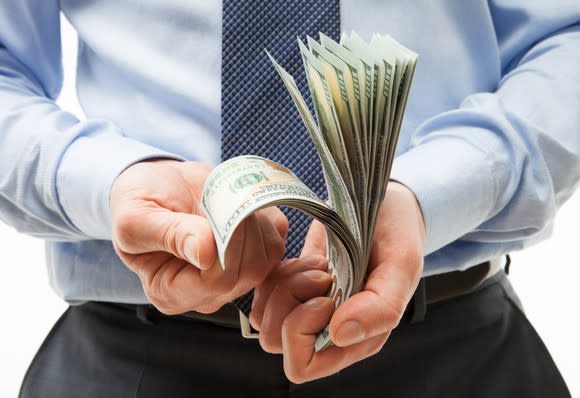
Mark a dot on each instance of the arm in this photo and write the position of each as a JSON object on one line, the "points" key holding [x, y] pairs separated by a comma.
{"points": [[65, 179], [54, 182], [499, 166], [511, 157]]}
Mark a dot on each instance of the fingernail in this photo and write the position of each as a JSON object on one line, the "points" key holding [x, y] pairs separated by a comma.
{"points": [[191, 250], [312, 260], [350, 332], [315, 275], [317, 302]]}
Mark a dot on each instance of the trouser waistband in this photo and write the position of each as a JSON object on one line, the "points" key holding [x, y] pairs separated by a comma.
{"points": [[431, 289]]}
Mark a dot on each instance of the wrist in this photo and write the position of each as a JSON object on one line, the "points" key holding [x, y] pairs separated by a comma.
{"points": [[87, 171], [400, 192]]}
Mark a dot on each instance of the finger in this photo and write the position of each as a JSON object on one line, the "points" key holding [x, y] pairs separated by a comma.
{"points": [[284, 270], [301, 362], [223, 280], [273, 241], [254, 263], [379, 307], [186, 236], [170, 284], [315, 242], [168, 288], [252, 252], [278, 219], [255, 247], [292, 292]]}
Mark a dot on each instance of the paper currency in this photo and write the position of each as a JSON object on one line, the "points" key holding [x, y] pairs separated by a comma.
{"points": [[359, 91]]}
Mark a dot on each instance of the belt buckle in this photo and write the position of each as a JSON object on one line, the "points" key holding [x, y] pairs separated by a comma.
{"points": [[247, 331]]}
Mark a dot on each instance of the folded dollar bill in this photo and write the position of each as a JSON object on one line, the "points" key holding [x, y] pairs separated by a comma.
{"points": [[359, 91]]}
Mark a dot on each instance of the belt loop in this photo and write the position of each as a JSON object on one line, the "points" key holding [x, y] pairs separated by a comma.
{"points": [[508, 262], [419, 303], [143, 313]]}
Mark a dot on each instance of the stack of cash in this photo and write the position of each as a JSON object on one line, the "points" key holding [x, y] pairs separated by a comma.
{"points": [[359, 91]]}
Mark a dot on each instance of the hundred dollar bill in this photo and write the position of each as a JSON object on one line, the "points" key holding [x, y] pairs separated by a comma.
{"points": [[359, 90], [243, 185]]}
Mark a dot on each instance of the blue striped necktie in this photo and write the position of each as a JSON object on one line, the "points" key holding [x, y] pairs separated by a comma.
{"points": [[258, 116]]}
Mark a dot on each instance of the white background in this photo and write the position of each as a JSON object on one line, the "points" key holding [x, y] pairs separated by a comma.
{"points": [[546, 277]]}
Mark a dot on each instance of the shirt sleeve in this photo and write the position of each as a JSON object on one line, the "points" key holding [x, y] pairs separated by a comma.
{"points": [[56, 171], [493, 172]]}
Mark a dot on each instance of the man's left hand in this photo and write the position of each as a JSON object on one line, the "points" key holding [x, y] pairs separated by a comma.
{"points": [[290, 310]]}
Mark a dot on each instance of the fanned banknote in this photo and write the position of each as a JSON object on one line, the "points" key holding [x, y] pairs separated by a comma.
{"points": [[359, 90]]}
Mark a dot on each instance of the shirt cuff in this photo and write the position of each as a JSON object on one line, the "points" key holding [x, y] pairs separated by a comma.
{"points": [[453, 183], [86, 173]]}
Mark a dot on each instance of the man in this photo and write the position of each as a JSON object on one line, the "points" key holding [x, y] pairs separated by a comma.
{"points": [[488, 152]]}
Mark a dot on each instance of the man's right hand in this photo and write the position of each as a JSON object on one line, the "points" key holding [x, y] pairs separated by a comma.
{"points": [[160, 234]]}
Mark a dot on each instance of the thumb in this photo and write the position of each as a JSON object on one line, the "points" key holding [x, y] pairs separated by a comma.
{"points": [[378, 308], [186, 236]]}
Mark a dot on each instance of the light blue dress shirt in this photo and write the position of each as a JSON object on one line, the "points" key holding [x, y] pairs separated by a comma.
{"points": [[490, 143]]}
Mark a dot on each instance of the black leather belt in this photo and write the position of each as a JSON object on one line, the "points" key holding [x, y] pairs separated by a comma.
{"points": [[457, 283], [431, 289]]}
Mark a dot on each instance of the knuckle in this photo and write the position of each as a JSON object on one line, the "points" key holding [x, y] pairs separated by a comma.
{"points": [[158, 289], [158, 300], [209, 308], [295, 375], [165, 309], [270, 344], [161, 303], [160, 295], [169, 237], [371, 352]]}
